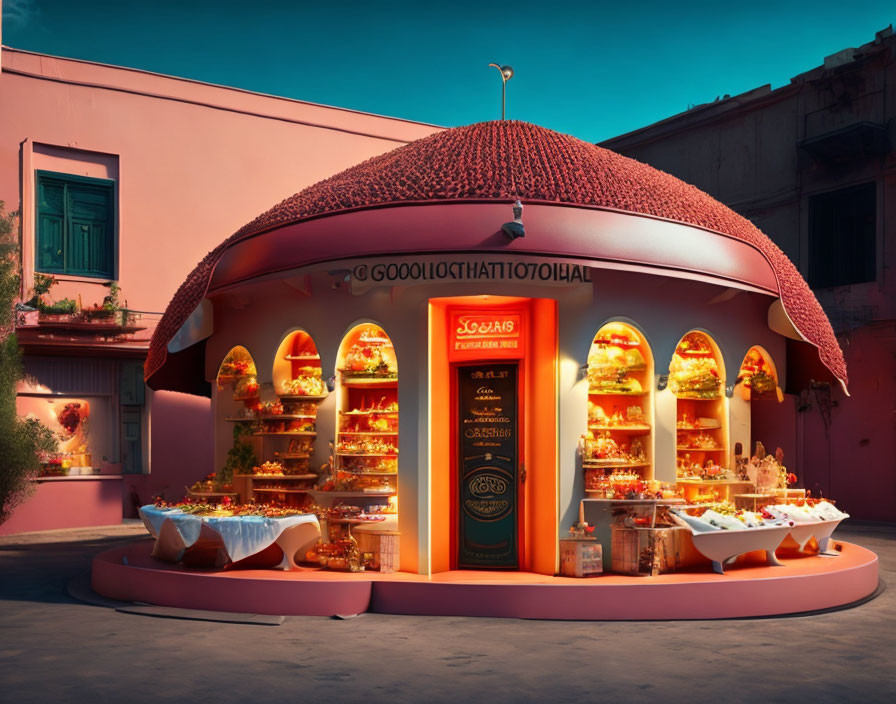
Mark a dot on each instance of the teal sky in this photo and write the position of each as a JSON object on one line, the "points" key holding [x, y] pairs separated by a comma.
{"points": [[594, 70]]}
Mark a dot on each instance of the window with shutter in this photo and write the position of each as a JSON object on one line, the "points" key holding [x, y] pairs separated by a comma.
{"points": [[843, 236], [75, 225]]}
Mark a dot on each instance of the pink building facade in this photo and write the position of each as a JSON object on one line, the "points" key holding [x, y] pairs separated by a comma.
{"points": [[128, 176]]}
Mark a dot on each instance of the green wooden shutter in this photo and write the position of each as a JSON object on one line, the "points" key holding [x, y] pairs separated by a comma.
{"points": [[89, 248], [75, 225], [132, 389], [50, 226], [131, 441]]}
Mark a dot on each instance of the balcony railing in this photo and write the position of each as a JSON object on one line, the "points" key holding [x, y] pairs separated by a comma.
{"points": [[123, 330]]}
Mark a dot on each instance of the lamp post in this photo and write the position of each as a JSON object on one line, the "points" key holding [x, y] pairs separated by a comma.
{"points": [[506, 75]]}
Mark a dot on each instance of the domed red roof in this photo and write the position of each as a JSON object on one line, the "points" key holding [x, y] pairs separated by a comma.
{"points": [[502, 161]]}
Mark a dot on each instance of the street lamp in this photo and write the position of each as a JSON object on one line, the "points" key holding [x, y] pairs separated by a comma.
{"points": [[506, 75]]}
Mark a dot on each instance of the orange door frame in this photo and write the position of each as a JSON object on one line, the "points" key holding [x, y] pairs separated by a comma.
{"points": [[537, 359]]}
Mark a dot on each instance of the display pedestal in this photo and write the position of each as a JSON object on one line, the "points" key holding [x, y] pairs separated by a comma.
{"points": [[748, 589]]}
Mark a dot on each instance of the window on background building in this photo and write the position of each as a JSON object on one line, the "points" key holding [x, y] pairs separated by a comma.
{"points": [[75, 231], [842, 236]]}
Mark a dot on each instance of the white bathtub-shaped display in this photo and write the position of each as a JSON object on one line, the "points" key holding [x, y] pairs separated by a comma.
{"points": [[723, 546]]}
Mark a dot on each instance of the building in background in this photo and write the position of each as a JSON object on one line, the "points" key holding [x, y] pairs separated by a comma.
{"points": [[812, 164], [131, 177]]}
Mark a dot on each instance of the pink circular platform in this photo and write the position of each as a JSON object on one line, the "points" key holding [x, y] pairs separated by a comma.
{"points": [[803, 583]]}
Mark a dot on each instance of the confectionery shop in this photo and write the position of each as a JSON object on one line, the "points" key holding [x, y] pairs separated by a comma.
{"points": [[500, 355]]}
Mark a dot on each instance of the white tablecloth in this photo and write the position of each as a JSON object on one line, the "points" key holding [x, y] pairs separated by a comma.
{"points": [[242, 535]]}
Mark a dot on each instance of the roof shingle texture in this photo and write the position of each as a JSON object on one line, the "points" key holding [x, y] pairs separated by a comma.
{"points": [[502, 161]]}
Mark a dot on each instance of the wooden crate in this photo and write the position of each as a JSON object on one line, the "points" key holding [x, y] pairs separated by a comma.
{"points": [[580, 557], [649, 551], [384, 545]]}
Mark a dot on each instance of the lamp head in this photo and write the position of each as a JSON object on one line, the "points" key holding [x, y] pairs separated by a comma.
{"points": [[515, 229]]}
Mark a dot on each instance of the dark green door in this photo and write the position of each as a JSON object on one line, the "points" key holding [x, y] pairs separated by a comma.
{"points": [[488, 467]]}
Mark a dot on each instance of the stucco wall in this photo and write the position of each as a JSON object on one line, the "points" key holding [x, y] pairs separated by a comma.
{"points": [[193, 162], [258, 315]]}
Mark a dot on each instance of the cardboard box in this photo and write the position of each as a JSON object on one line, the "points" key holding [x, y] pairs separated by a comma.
{"points": [[385, 546], [650, 551], [580, 557]]}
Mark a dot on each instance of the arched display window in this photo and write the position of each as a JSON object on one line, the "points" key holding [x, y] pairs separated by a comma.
{"points": [[365, 458], [697, 377], [757, 379], [238, 371], [617, 451], [297, 372]]}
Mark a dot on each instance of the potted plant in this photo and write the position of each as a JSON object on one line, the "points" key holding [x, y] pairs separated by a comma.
{"points": [[58, 311], [110, 306]]}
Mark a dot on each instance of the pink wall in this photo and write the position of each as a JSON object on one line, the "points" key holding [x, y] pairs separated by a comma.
{"points": [[775, 425], [854, 459], [193, 163], [68, 503], [851, 459], [181, 447]]}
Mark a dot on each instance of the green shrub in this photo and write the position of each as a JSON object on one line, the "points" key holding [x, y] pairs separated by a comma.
{"points": [[20, 439]]}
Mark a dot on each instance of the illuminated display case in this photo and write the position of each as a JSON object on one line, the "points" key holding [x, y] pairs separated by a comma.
{"points": [[365, 454], [757, 379], [238, 372], [617, 448], [297, 371], [282, 430], [696, 377]]}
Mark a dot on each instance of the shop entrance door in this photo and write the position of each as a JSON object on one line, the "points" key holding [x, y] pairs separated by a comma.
{"points": [[488, 466]]}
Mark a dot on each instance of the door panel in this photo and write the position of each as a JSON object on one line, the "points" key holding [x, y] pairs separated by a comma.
{"points": [[488, 466]]}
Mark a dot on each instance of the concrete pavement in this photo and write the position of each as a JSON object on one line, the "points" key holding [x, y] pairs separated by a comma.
{"points": [[56, 649]]}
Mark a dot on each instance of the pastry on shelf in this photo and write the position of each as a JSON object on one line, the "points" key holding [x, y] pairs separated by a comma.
{"points": [[370, 357], [307, 382], [245, 388], [694, 372], [270, 408], [366, 446], [698, 441], [757, 375], [300, 408], [601, 448], [271, 467], [300, 446], [620, 384], [597, 415], [634, 360], [370, 465], [236, 365]]}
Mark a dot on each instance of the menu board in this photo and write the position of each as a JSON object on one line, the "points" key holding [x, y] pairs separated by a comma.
{"points": [[487, 472]]}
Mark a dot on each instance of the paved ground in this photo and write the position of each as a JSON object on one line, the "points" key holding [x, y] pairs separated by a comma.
{"points": [[56, 649]]}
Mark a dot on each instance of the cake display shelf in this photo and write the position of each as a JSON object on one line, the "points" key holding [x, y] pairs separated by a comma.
{"points": [[272, 489], [368, 432], [623, 428], [365, 454], [299, 433], [351, 494], [290, 477], [610, 464]]}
